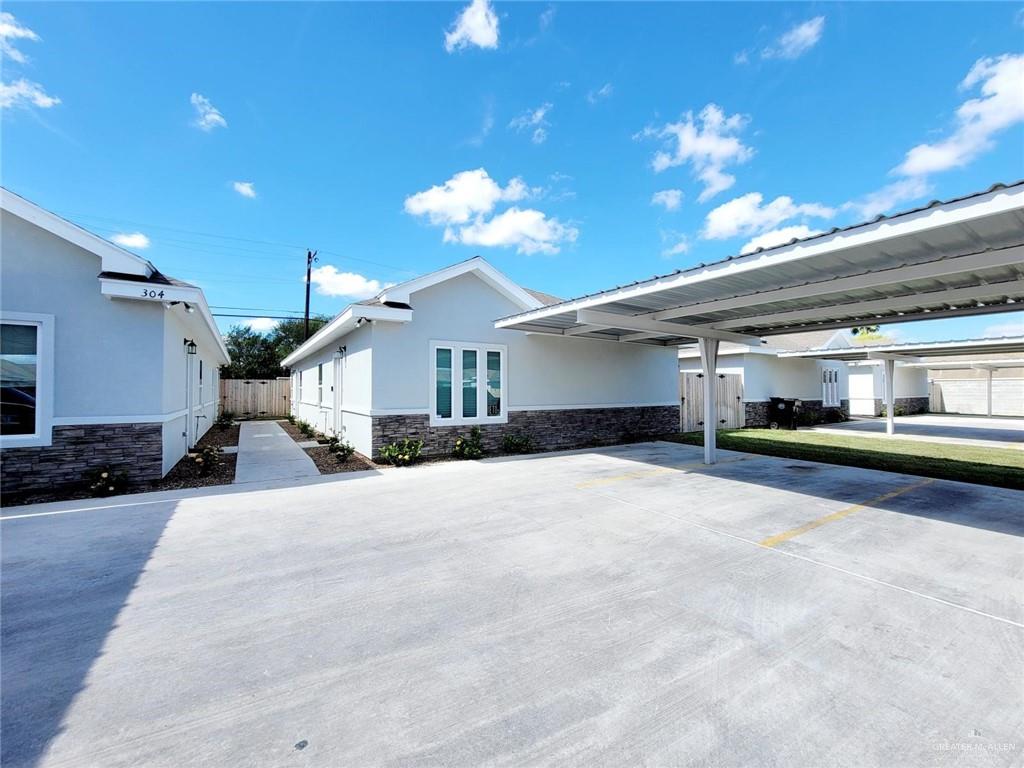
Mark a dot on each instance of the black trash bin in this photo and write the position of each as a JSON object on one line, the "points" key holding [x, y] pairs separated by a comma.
{"points": [[782, 413]]}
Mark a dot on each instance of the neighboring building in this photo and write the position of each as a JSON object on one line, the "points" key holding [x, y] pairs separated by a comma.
{"points": [[827, 389], [424, 360], [94, 356]]}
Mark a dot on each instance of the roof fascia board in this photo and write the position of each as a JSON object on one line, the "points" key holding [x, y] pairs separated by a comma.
{"points": [[345, 322], [913, 223], [112, 257], [132, 290]]}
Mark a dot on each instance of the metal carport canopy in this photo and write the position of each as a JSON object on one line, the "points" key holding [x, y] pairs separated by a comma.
{"points": [[963, 256]]}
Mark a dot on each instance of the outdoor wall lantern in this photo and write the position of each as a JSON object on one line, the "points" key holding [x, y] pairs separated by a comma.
{"points": [[190, 346]]}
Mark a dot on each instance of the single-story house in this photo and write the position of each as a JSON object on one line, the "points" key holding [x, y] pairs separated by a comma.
{"points": [[105, 362], [828, 389], [423, 360]]}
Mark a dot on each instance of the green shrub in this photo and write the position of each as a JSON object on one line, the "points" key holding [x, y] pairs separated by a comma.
{"points": [[225, 420], [342, 451], [291, 418], [517, 443], [401, 453], [898, 410], [105, 481], [205, 459], [304, 427], [471, 447]]}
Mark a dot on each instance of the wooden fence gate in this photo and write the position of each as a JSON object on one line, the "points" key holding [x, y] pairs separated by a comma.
{"points": [[691, 403], [249, 398]]}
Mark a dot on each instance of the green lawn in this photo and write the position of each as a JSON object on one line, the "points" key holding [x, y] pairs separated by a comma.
{"points": [[1002, 467]]}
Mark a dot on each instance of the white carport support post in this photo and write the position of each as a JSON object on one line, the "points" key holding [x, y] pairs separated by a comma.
{"points": [[890, 400], [709, 364], [989, 409]]}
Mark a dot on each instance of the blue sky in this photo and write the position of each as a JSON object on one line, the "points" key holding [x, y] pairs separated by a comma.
{"points": [[575, 146]]}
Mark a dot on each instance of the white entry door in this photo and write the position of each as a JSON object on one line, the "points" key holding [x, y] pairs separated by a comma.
{"points": [[336, 401]]}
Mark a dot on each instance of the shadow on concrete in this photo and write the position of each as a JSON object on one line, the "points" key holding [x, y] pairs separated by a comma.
{"points": [[978, 506], [65, 580]]}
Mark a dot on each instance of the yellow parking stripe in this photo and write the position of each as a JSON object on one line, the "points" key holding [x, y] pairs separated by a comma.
{"points": [[771, 541], [642, 473]]}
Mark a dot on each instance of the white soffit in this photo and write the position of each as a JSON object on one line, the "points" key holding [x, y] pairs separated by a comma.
{"points": [[959, 257]]}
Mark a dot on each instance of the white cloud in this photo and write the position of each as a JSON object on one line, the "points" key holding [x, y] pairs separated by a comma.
{"points": [[208, 116], [464, 195], [244, 188], [10, 30], [1012, 328], [1000, 82], [486, 125], [889, 197], [465, 206], [600, 94], [477, 25], [547, 18], [741, 57], [131, 240], [797, 41], [535, 119], [262, 324], [330, 282], [708, 143], [529, 230], [670, 198], [23, 93], [746, 215], [680, 244], [779, 236]]}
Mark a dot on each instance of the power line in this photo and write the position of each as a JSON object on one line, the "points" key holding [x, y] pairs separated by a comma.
{"points": [[254, 309], [257, 317], [232, 237]]}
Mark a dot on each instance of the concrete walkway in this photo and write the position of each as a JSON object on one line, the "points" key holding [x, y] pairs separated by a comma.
{"points": [[266, 452], [982, 431]]}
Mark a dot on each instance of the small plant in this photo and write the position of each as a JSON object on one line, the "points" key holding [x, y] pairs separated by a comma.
{"points": [[205, 460], [225, 420], [304, 427], [401, 453], [342, 451], [517, 443], [471, 447], [898, 410], [106, 482], [291, 418]]}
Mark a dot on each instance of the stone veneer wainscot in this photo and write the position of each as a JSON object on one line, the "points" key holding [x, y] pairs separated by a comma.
{"points": [[136, 449], [549, 429]]}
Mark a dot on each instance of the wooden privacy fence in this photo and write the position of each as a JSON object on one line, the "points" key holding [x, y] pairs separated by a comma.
{"points": [[250, 398], [730, 401]]}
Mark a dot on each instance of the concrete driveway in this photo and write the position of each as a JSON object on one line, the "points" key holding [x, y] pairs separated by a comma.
{"points": [[986, 431], [614, 607]]}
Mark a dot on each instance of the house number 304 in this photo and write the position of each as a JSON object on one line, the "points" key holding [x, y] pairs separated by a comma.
{"points": [[151, 293]]}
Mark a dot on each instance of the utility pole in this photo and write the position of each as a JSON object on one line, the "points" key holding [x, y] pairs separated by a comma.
{"points": [[310, 258]]}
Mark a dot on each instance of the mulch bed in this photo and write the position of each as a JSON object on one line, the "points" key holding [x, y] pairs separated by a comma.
{"points": [[329, 465], [220, 438], [185, 474]]}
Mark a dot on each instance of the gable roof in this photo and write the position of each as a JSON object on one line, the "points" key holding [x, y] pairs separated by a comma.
{"points": [[401, 292], [113, 258], [395, 304]]}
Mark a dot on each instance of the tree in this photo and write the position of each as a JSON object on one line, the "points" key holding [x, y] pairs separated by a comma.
{"points": [[257, 355], [287, 335], [867, 330], [253, 356]]}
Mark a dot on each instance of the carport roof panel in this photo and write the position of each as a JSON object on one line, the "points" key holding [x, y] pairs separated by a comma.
{"points": [[1003, 344], [958, 257]]}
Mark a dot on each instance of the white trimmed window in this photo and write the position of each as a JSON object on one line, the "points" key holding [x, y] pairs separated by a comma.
{"points": [[26, 379], [830, 387], [320, 384], [468, 383]]}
